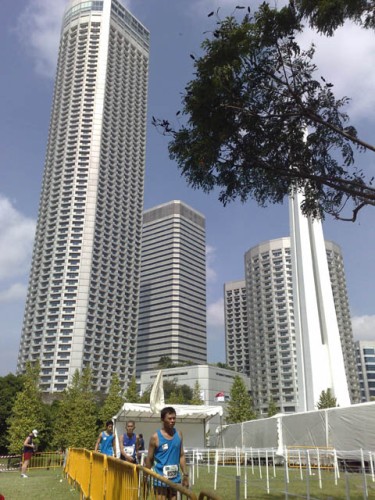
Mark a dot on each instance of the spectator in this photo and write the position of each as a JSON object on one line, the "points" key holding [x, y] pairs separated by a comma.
{"points": [[28, 451]]}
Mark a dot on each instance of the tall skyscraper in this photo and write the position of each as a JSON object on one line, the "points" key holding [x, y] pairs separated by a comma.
{"points": [[172, 312], [272, 345], [365, 353], [268, 344], [83, 295], [236, 326]]}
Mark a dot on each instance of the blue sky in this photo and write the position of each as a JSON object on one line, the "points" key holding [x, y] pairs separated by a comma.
{"points": [[29, 33]]}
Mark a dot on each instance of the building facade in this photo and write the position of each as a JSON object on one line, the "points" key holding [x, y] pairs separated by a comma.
{"points": [[215, 383], [340, 296], [272, 346], [268, 346], [365, 354], [82, 302], [236, 326], [172, 312]]}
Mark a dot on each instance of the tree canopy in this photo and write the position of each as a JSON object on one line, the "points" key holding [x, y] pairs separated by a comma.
{"points": [[258, 121], [10, 386], [27, 412], [114, 400], [240, 407], [77, 414], [326, 400], [327, 15]]}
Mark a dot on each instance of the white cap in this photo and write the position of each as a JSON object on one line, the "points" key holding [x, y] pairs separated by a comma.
{"points": [[35, 432]]}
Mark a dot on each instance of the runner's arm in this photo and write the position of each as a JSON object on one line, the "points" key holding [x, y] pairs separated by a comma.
{"points": [[151, 451], [98, 442]]}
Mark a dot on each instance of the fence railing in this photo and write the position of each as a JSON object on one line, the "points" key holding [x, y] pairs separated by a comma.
{"points": [[100, 477], [46, 460]]}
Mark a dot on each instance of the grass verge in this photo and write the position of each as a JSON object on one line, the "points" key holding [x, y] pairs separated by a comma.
{"points": [[40, 485], [297, 487]]}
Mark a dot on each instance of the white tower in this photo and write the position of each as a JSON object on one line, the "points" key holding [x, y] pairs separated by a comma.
{"points": [[320, 361], [82, 302]]}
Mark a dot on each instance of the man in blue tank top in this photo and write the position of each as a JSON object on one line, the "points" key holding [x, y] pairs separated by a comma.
{"points": [[129, 443], [166, 455], [106, 441]]}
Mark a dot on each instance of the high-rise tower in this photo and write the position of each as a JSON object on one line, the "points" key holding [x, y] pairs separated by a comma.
{"points": [[172, 312], [236, 326], [82, 302], [264, 339]]}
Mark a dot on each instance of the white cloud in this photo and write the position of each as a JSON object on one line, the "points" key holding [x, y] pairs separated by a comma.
{"points": [[215, 313], [15, 292], [16, 240], [211, 274], [38, 28], [347, 61], [364, 327]]}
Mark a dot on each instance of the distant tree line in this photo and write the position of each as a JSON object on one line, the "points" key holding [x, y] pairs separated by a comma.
{"points": [[75, 416]]}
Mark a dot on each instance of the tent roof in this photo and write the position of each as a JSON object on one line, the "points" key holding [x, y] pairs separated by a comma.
{"points": [[183, 412]]}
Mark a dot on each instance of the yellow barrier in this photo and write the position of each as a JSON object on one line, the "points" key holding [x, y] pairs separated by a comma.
{"points": [[319, 457], [46, 460], [122, 480], [105, 478]]}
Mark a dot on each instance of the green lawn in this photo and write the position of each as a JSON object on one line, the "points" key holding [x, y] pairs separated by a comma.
{"points": [[51, 485], [256, 487], [40, 485]]}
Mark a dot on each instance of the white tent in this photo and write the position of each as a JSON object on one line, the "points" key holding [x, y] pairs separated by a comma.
{"points": [[191, 420]]}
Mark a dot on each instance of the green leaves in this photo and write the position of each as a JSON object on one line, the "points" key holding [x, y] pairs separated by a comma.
{"points": [[27, 412], [77, 414], [326, 400], [239, 407], [254, 93]]}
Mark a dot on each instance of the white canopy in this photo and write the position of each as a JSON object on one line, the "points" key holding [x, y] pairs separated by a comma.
{"points": [[191, 419]]}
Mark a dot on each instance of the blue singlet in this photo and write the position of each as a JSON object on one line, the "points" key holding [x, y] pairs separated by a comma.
{"points": [[106, 444], [167, 457]]}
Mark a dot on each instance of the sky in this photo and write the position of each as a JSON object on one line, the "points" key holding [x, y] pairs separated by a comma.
{"points": [[29, 35]]}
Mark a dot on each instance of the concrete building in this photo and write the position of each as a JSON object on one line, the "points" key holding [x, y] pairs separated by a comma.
{"points": [[365, 353], [272, 346], [172, 312], [215, 383], [268, 344], [82, 301], [236, 326]]}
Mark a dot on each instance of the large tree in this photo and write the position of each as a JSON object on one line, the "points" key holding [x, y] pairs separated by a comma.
{"points": [[77, 414], [28, 411], [10, 386], [327, 15], [240, 407], [260, 122], [114, 400]]}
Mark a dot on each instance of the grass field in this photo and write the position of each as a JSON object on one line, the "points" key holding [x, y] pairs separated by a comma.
{"points": [[40, 485], [51, 485], [297, 488]]}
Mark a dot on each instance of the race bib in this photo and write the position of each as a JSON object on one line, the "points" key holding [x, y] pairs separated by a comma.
{"points": [[129, 450], [170, 471]]}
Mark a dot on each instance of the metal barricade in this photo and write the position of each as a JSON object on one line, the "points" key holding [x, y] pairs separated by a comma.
{"points": [[46, 460]]}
